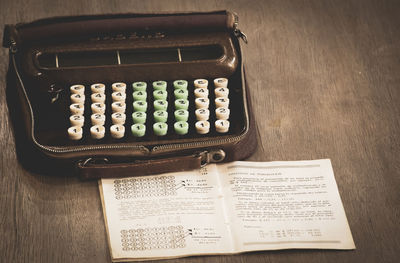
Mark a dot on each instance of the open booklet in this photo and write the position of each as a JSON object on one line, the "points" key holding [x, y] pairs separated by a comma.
{"points": [[225, 209]]}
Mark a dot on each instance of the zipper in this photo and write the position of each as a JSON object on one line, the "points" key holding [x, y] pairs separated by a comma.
{"points": [[238, 33]]}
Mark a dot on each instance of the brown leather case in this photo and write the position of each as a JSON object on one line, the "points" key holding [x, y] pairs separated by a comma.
{"points": [[48, 56]]}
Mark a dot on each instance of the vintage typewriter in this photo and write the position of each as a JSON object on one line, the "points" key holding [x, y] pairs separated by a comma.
{"points": [[131, 94]]}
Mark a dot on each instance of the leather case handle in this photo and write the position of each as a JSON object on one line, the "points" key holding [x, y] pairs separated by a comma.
{"points": [[90, 170]]}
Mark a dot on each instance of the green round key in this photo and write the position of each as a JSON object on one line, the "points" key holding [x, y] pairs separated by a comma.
{"points": [[160, 128], [140, 106], [138, 130], [160, 85], [181, 127], [160, 116], [180, 84], [181, 115], [139, 95], [181, 94], [181, 104], [160, 94], [160, 105], [139, 86], [139, 117]]}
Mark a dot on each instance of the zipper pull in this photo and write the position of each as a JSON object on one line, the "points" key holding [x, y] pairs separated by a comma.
{"points": [[238, 33], [212, 156], [13, 46]]}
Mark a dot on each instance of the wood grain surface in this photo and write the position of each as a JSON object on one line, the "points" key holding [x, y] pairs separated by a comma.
{"points": [[325, 82]]}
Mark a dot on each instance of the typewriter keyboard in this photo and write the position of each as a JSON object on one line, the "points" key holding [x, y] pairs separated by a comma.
{"points": [[157, 108]]}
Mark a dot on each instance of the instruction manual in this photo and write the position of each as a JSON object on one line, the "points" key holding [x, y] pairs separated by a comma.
{"points": [[225, 209]]}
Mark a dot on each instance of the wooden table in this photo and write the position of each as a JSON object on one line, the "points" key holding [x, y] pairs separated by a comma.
{"points": [[325, 82]]}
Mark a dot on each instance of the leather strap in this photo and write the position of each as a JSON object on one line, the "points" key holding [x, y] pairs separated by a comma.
{"points": [[87, 170]]}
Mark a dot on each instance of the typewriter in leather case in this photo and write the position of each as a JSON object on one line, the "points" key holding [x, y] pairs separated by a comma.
{"points": [[129, 94]]}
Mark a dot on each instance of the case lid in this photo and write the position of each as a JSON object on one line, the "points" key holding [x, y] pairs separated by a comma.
{"points": [[62, 29]]}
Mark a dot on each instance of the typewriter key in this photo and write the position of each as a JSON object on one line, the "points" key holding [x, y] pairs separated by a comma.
{"points": [[202, 103], [201, 93], [139, 95], [160, 94], [97, 131], [117, 131], [139, 86], [180, 84], [75, 133], [98, 97], [98, 119], [160, 85], [181, 115], [181, 104], [118, 118], [118, 96], [98, 88], [202, 114], [98, 107], [138, 130], [201, 83], [77, 120], [118, 86], [221, 102], [140, 106], [77, 98], [181, 94], [181, 127], [160, 116], [118, 106], [202, 127], [160, 105], [222, 126], [77, 109], [139, 117], [222, 113], [221, 83], [160, 128], [77, 89], [221, 92]]}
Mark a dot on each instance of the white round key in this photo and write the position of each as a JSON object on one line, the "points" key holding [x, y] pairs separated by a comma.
{"points": [[77, 89], [75, 133], [77, 108], [77, 120], [221, 92], [97, 131], [117, 131], [77, 98], [98, 107], [98, 88], [222, 126], [118, 106], [201, 93], [202, 127], [222, 102], [221, 82], [202, 114], [118, 118], [202, 103], [201, 83], [222, 113], [98, 97], [98, 119], [118, 86], [118, 96]]}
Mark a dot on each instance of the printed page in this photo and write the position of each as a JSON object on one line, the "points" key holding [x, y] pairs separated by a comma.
{"points": [[281, 205], [169, 215]]}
